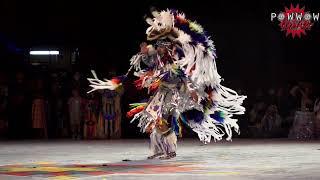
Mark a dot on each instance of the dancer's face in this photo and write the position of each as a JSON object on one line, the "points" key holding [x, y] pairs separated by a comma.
{"points": [[161, 50], [143, 48]]}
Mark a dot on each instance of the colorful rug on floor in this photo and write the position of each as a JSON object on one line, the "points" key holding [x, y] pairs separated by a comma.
{"points": [[74, 171]]}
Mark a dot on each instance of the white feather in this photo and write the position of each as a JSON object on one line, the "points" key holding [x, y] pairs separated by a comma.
{"points": [[98, 84], [183, 38]]}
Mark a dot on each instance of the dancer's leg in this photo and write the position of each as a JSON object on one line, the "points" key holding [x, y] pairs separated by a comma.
{"points": [[170, 145], [155, 145]]}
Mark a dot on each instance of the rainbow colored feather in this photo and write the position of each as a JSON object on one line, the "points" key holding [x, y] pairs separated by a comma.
{"points": [[136, 108]]}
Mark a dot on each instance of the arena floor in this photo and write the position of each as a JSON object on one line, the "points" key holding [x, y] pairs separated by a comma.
{"points": [[126, 159]]}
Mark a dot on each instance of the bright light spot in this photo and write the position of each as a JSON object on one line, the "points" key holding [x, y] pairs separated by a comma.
{"points": [[44, 52]]}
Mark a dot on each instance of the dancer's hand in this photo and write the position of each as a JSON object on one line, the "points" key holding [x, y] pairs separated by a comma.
{"points": [[194, 96]]}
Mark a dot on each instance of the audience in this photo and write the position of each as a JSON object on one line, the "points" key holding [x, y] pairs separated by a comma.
{"points": [[60, 108]]}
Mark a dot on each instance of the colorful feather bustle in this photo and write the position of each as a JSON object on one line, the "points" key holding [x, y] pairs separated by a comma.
{"points": [[138, 83], [134, 105], [177, 71], [143, 77], [155, 85], [195, 31], [194, 115], [136, 108], [218, 116]]}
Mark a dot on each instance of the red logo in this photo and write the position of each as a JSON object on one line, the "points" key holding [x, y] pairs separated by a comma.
{"points": [[295, 20]]}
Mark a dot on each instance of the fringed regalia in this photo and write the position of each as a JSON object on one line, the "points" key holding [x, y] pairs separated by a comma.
{"points": [[178, 68]]}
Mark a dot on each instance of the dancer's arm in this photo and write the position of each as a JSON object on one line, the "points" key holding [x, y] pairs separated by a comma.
{"points": [[147, 55]]}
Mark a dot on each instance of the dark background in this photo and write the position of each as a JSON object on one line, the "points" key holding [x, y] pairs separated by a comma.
{"points": [[250, 47]]}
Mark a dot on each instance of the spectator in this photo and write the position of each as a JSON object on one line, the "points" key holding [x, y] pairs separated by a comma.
{"points": [[3, 104], [74, 103], [39, 115], [306, 102], [19, 107], [316, 110], [271, 121]]}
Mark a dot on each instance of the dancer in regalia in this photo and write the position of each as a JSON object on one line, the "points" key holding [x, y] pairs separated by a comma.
{"points": [[178, 67]]}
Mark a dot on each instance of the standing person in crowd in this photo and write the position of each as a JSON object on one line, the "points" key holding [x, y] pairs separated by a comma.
{"points": [[302, 126], [271, 121], [91, 114], [77, 83], [118, 114], [39, 117], [306, 100], [56, 122], [19, 106], [75, 114], [112, 110], [316, 110], [302, 93], [3, 104]]}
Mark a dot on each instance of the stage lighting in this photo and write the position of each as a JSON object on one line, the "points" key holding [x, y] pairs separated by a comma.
{"points": [[44, 52]]}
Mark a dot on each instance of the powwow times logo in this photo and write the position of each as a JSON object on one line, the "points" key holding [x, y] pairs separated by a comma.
{"points": [[295, 20]]}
